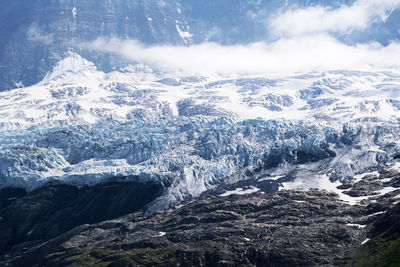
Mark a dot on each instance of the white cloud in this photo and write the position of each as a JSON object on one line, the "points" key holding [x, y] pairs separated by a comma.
{"points": [[299, 54], [307, 45], [320, 19], [35, 35]]}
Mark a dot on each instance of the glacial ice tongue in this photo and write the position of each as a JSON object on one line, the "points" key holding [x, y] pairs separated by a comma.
{"points": [[190, 155], [81, 126]]}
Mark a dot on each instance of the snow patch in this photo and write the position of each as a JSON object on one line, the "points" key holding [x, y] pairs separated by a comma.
{"points": [[300, 201], [183, 30], [19, 84], [320, 182], [376, 213], [356, 225], [241, 191], [32, 230], [74, 12], [365, 241], [161, 234], [271, 178]]}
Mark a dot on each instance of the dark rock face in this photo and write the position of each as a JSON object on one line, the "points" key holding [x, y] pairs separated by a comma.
{"points": [[300, 156], [388, 226], [287, 228], [37, 34], [51, 211], [7, 195], [364, 188]]}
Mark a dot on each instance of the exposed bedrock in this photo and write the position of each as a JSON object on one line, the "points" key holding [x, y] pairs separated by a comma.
{"points": [[49, 211]]}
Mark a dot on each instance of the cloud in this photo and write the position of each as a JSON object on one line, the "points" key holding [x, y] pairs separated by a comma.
{"points": [[320, 19], [299, 54], [307, 44], [35, 35]]}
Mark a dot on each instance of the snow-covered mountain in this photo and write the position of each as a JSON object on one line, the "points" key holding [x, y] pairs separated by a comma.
{"points": [[276, 124], [76, 92], [82, 126], [96, 112]]}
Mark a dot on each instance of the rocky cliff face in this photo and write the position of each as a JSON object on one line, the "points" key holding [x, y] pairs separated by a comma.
{"points": [[50, 211], [37, 34]]}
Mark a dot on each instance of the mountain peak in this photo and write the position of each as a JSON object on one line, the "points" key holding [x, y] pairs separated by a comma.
{"points": [[72, 64]]}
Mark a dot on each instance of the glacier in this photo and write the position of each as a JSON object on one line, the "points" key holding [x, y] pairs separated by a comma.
{"points": [[82, 126]]}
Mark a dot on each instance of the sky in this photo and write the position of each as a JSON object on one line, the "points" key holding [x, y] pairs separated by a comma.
{"points": [[301, 40]]}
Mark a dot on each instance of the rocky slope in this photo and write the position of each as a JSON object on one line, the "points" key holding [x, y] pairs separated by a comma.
{"points": [[286, 228], [382, 246]]}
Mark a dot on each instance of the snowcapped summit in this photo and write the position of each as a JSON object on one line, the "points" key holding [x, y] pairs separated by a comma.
{"points": [[73, 62], [69, 66]]}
